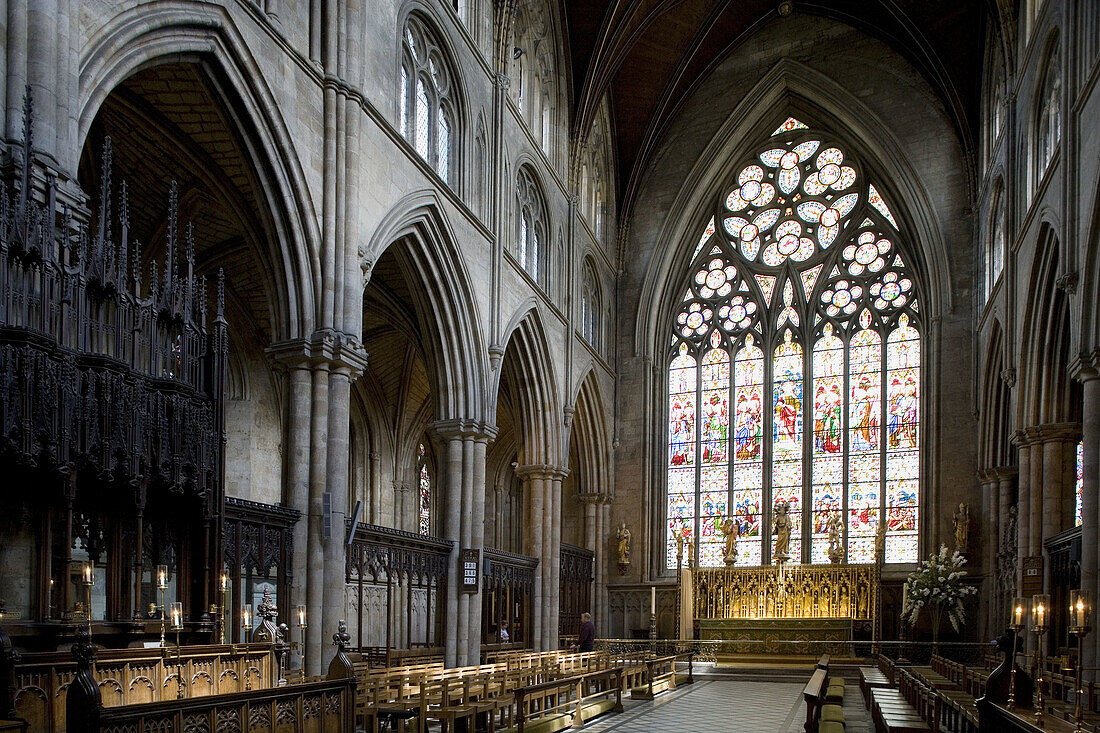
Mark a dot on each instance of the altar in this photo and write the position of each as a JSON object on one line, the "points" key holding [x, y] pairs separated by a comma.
{"points": [[791, 609]]}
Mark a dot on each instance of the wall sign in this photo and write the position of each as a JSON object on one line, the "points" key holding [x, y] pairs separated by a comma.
{"points": [[1031, 577], [469, 562]]}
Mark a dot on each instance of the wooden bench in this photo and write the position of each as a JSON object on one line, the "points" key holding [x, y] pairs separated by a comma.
{"points": [[568, 702], [661, 676], [906, 709], [869, 678], [814, 695]]}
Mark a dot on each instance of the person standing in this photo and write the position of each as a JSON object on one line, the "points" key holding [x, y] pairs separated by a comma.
{"points": [[504, 637], [586, 639]]}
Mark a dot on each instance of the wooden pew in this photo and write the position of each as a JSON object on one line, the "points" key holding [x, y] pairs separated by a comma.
{"points": [[902, 710], [568, 702], [661, 675], [814, 696]]}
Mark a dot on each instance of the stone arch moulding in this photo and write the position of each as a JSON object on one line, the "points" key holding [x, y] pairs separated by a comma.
{"points": [[592, 431], [790, 87], [457, 354], [151, 35], [541, 409], [1085, 307]]}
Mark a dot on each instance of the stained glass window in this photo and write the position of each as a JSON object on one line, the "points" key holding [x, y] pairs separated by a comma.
{"points": [[799, 289], [530, 225], [425, 491], [1080, 483], [424, 106]]}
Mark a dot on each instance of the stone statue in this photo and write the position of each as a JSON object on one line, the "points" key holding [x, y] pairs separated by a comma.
{"points": [[623, 536], [782, 532], [836, 549], [678, 535], [962, 527], [731, 530], [267, 612]]}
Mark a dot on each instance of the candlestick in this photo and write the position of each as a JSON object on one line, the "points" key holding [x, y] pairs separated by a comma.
{"points": [[177, 616], [1017, 624], [89, 581], [246, 616], [1040, 602]]}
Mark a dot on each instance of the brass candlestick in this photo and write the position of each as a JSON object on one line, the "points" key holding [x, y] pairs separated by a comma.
{"points": [[88, 582], [221, 607], [177, 626], [302, 629], [1080, 609], [1040, 603], [162, 585], [1017, 625]]}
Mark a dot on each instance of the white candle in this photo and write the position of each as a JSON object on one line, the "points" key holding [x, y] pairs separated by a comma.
{"points": [[652, 600]]}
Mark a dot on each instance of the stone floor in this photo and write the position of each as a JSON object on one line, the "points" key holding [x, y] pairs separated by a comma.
{"points": [[716, 706]]}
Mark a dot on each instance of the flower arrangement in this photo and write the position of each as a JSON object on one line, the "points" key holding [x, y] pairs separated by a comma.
{"points": [[938, 584]]}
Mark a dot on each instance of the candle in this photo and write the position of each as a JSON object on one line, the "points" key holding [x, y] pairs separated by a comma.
{"points": [[247, 617], [162, 576], [1018, 612], [1039, 604], [301, 617], [225, 583], [652, 600], [88, 578], [177, 615], [1079, 609]]}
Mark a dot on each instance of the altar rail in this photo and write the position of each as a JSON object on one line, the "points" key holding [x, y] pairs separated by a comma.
{"points": [[708, 650], [793, 591], [132, 676]]}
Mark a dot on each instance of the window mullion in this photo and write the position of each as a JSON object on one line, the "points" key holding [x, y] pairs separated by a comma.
{"points": [[807, 445], [845, 409], [884, 386], [698, 453], [767, 410]]}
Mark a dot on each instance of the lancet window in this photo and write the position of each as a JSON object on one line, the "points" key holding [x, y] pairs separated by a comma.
{"points": [[425, 107], [532, 229], [794, 365], [424, 478], [1048, 132]]}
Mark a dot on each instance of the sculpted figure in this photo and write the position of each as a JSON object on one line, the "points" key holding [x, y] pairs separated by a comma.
{"points": [[835, 551], [731, 530], [962, 527], [623, 536], [782, 532]]}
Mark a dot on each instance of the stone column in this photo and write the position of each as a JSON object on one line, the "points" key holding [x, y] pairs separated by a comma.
{"points": [[555, 558], [1086, 369], [1006, 477], [477, 539], [334, 574], [1023, 503], [1035, 488], [989, 486], [534, 491], [450, 530], [374, 508]]}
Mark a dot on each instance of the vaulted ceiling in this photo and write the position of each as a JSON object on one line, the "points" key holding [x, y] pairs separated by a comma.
{"points": [[651, 54]]}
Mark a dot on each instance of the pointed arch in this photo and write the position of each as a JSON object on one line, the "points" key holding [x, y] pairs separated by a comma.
{"points": [[533, 385], [428, 253], [791, 89], [996, 417], [1046, 338], [150, 35], [592, 436]]}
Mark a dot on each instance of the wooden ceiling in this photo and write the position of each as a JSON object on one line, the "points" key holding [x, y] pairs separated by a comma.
{"points": [[650, 55]]}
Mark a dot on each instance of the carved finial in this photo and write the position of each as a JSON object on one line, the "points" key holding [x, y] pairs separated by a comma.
{"points": [[341, 639], [124, 244], [105, 200], [221, 296]]}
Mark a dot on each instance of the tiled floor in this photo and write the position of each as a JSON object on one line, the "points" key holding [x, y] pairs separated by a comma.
{"points": [[718, 706]]}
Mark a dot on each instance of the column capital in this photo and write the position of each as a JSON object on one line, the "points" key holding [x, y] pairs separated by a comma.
{"points": [[541, 470], [1085, 366], [461, 428], [324, 349], [1065, 432], [1025, 437], [1003, 473]]}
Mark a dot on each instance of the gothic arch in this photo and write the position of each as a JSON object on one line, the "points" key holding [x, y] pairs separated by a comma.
{"points": [[533, 384], [996, 415], [791, 88], [455, 344], [148, 36], [592, 435]]}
